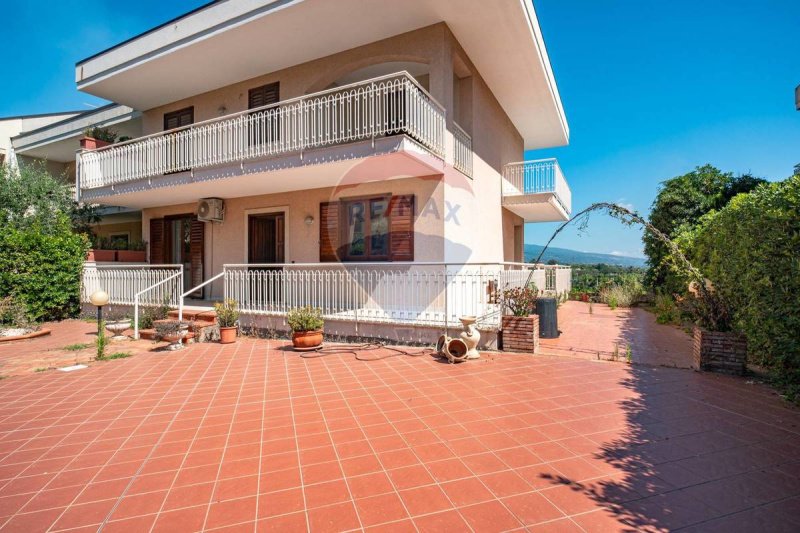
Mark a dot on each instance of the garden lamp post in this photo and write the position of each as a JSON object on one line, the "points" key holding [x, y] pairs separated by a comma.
{"points": [[99, 298]]}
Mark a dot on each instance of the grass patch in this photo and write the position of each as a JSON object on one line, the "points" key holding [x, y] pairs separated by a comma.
{"points": [[76, 347], [41, 369], [118, 355]]}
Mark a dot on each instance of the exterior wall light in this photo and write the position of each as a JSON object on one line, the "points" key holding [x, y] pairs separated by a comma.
{"points": [[99, 299], [309, 220]]}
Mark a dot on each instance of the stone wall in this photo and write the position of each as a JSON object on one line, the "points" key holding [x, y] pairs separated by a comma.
{"points": [[719, 351], [521, 333]]}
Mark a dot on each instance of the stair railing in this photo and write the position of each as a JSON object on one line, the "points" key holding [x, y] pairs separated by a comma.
{"points": [[178, 275], [195, 289]]}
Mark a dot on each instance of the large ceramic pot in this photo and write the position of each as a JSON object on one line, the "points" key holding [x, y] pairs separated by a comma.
{"points": [[175, 339], [228, 335], [307, 339], [117, 328]]}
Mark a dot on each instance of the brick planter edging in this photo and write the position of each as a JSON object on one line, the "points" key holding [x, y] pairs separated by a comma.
{"points": [[520, 333], [719, 351]]}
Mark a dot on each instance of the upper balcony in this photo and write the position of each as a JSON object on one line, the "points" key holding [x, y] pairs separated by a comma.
{"points": [[537, 191], [390, 119]]}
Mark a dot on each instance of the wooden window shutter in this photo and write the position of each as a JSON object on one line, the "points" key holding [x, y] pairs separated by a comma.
{"points": [[196, 240], [329, 232], [181, 117], [157, 241], [401, 220], [264, 95]]}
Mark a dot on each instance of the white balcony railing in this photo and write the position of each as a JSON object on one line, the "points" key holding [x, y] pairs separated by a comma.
{"points": [[532, 177], [381, 106], [122, 283], [432, 294], [428, 294], [462, 150]]}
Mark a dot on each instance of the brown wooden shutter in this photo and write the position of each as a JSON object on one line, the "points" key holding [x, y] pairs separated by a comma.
{"points": [[157, 241], [264, 95], [280, 239], [329, 232], [196, 240], [401, 213], [179, 118]]}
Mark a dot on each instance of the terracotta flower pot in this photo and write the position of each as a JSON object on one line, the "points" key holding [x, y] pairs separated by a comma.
{"points": [[228, 335], [90, 143], [101, 255], [307, 339], [131, 256]]}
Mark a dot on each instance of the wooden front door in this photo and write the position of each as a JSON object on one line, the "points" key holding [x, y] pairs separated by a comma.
{"points": [[180, 240], [266, 246]]}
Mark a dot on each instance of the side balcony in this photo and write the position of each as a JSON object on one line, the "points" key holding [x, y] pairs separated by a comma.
{"points": [[537, 191], [318, 140]]}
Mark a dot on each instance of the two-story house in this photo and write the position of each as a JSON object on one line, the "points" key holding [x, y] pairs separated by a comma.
{"points": [[315, 137]]}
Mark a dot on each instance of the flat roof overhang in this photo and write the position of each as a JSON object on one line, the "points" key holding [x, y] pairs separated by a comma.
{"points": [[60, 140], [213, 46]]}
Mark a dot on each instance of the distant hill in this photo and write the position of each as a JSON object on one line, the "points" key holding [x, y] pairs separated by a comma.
{"points": [[574, 257]]}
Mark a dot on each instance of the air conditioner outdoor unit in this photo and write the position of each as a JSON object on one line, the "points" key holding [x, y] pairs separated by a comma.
{"points": [[211, 210]]}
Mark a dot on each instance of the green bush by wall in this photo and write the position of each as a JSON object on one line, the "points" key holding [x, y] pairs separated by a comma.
{"points": [[751, 250]]}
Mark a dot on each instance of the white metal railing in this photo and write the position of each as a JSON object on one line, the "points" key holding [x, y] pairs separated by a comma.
{"points": [[434, 294], [172, 284], [124, 282], [532, 177], [195, 289], [386, 105], [462, 150]]}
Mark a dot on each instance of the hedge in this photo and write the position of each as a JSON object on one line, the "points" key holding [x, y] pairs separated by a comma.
{"points": [[43, 269], [750, 249]]}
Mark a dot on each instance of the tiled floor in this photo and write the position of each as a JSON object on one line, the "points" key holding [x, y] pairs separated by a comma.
{"points": [[251, 437], [599, 332]]}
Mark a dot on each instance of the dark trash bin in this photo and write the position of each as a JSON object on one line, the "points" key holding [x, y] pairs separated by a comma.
{"points": [[547, 309]]}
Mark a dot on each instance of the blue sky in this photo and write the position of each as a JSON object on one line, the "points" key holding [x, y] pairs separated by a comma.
{"points": [[651, 88]]}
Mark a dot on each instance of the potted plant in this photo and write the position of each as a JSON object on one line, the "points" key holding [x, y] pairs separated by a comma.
{"points": [[117, 325], [133, 252], [102, 250], [521, 327], [173, 332], [306, 324], [227, 318], [97, 137]]}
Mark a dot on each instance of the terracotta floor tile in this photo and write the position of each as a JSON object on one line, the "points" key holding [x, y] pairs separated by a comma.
{"points": [[532, 508], [441, 522], [466, 491], [409, 477], [334, 518], [187, 519], [281, 502], [280, 524], [139, 504], [425, 500], [326, 493], [489, 516], [229, 512], [379, 509], [189, 496], [369, 485]]}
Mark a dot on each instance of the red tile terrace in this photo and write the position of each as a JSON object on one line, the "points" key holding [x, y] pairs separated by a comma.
{"points": [[250, 437]]}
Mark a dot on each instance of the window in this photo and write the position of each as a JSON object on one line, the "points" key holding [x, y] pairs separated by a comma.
{"points": [[120, 238], [264, 125], [366, 229], [374, 228], [179, 118]]}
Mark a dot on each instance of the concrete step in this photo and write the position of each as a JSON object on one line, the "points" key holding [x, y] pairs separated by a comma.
{"points": [[195, 315]]}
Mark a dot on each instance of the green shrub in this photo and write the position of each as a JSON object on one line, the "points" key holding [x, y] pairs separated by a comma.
{"points": [[305, 319], [666, 309], [100, 342], [43, 270], [148, 315], [749, 249], [227, 313], [624, 291], [520, 300]]}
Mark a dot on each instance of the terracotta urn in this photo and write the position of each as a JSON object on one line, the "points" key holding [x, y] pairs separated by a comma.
{"points": [[228, 335], [307, 339], [470, 336]]}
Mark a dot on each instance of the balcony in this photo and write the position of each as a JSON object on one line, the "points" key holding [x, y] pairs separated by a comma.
{"points": [[537, 191], [391, 116]]}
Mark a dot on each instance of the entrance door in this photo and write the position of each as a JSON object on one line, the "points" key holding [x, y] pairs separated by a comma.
{"points": [[183, 245], [266, 246]]}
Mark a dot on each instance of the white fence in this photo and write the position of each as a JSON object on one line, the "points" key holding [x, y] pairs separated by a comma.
{"points": [[462, 150], [123, 283], [401, 293], [364, 110], [531, 177]]}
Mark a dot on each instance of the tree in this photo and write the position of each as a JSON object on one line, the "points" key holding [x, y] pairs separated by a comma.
{"points": [[678, 206], [41, 253]]}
